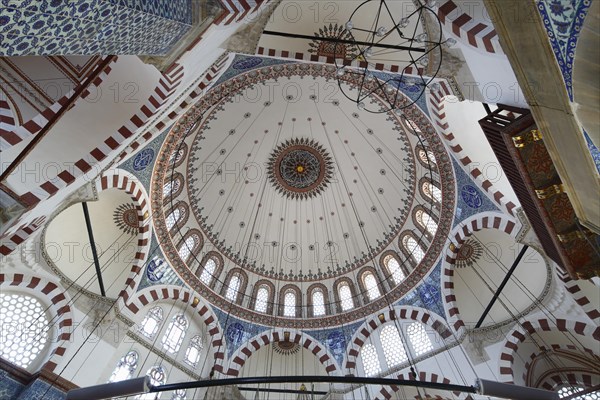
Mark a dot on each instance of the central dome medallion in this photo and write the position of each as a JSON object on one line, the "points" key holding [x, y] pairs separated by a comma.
{"points": [[300, 168]]}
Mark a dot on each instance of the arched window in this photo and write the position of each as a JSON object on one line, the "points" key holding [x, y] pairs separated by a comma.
{"points": [[24, 330], [177, 155], [179, 394], [432, 191], [233, 288], [413, 248], [151, 322], [158, 376], [208, 271], [394, 269], [125, 367], [572, 390], [345, 295], [190, 244], [371, 285], [318, 303], [173, 337], [426, 221], [393, 348], [262, 299], [193, 351], [289, 304], [172, 186], [172, 218], [370, 360], [419, 339], [427, 157]]}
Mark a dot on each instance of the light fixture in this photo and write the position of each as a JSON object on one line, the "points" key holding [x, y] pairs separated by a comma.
{"points": [[379, 35]]}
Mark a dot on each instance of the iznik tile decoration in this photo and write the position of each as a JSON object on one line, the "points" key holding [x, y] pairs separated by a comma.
{"points": [[236, 331], [90, 27], [9, 388], [563, 20], [428, 294], [157, 271], [593, 150], [470, 199], [36, 390], [142, 163], [336, 339]]}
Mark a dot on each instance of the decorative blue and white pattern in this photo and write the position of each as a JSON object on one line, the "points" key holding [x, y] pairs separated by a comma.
{"points": [[143, 159], [427, 295], [470, 199], [563, 20], [90, 27], [593, 150]]}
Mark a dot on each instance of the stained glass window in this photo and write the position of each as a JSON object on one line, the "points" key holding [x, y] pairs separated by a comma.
{"points": [[192, 353], [289, 304], [233, 288], [125, 367], [179, 394], [370, 360], [412, 247], [371, 286], [174, 334], [391, 343], [186, 247], [24, 330], [151, 322], [172, 186], [571, 390], [208, 271], [432, 191], [426, 221], [158, 376], [262, 298], [393, 267], [419, 339], [318, 302], [173, 218], [345, 296]]}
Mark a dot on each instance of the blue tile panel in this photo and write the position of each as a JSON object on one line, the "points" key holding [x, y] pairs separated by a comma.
{"points": [[427, 294], [88, 27], [11, 389], [470, 199], [563, 20]]}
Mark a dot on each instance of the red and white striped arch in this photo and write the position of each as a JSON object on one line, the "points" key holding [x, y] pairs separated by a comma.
{"points": [[526, 328], [436, 104], [123, 180], [200, 89], [9, 243], [401, 313], [11, 137], [486, 220], [138, 302], [241, 355], [237, 10], [49, 292], [592, 310], [472, 30], [387, 392]]}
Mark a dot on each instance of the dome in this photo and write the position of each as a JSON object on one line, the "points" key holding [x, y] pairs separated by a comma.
{"points": [[284, 182]]}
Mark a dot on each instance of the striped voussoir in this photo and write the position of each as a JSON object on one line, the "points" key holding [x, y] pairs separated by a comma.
{"points": [[438, 115], [400, 314], [62, 318], [387, 392], [532, 378], [579, 296], [193, 302], [8, 121], [526, 328], [11, 137], [122, 180], [458, 236], [572, 378], [9, 242], [292, 55], [155, 102], [177, 75], [237, 10], [469, 31], [241, 355]]}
